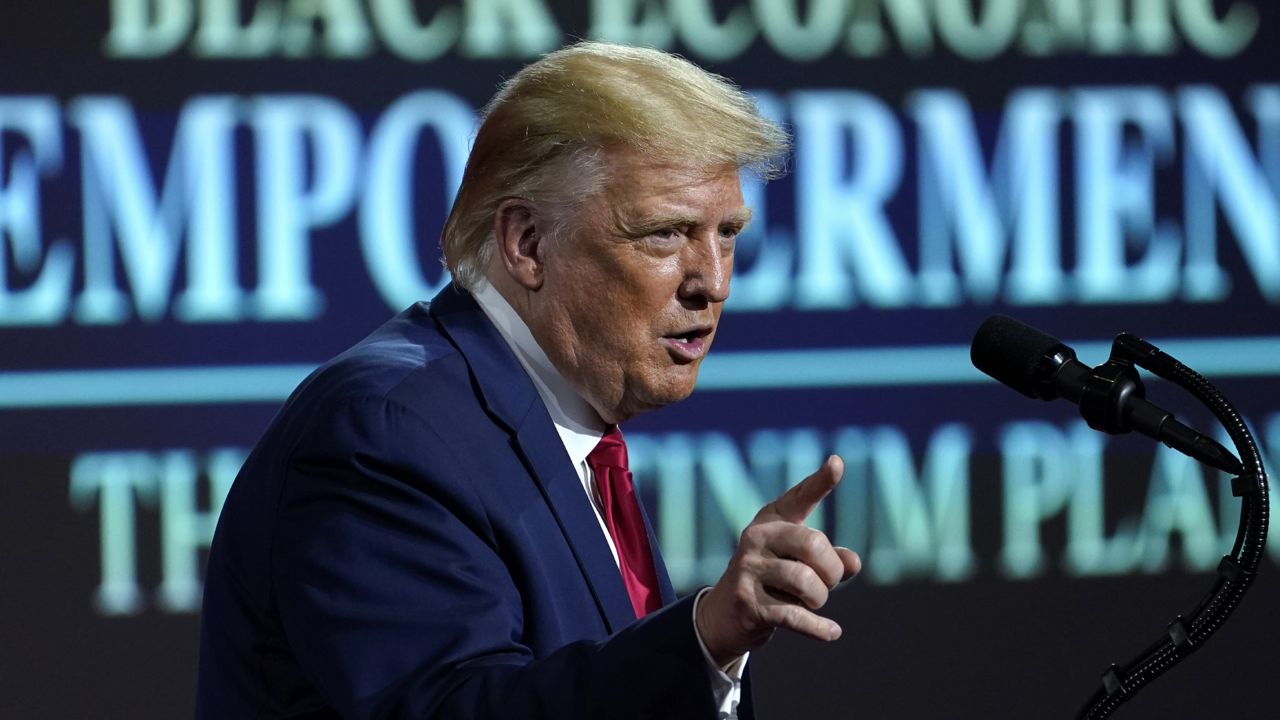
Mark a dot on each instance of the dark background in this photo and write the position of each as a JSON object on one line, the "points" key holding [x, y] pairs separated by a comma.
{"points": [[988, 645]]}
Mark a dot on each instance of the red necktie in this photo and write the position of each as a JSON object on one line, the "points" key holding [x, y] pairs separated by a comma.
{"points": [[624, 522]]}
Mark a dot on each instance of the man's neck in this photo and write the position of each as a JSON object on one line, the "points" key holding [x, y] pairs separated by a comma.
{"points": [[568, 409]]}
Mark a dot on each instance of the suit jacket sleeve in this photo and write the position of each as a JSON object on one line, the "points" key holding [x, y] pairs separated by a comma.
{"points": [[395, 596]]}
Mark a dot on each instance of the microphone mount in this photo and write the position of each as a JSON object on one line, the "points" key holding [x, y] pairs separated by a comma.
{"points": [[1112, 399]]}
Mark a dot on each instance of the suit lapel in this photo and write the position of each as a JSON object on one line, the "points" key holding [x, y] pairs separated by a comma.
{"points": [[545, 454], [510, 397]]}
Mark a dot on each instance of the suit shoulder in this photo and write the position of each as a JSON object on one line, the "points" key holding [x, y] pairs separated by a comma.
{"points": [[408, 349]]}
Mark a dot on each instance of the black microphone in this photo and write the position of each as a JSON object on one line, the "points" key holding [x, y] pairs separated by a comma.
{"points": [[1111, 396]]}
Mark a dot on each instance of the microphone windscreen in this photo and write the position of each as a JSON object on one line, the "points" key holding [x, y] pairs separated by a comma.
{"points": [[1012, 351]]}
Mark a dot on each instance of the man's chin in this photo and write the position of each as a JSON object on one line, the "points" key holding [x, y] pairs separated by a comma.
{"points": [[667, 394], [651, 391]]}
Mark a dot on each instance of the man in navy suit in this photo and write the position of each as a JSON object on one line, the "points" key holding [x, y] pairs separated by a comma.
{"points": [[440, 523]]}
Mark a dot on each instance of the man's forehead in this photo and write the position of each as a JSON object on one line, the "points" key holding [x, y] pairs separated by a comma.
{"points": [[679, 205], [639, 182]]}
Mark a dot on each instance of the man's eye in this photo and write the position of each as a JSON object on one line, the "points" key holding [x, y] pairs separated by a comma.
{"points": [[665, 236], [729, 236]]}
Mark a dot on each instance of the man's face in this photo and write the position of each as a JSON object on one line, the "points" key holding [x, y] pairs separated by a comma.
{"points": [[634, 287]]}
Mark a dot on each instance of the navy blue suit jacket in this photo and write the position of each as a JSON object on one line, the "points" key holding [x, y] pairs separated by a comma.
{"points": [[410, 540]]}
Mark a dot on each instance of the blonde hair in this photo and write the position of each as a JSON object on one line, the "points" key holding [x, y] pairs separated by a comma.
{"points": [[543, 135]]}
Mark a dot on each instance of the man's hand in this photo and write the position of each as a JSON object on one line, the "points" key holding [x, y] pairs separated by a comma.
{"points": [[781, 572]]}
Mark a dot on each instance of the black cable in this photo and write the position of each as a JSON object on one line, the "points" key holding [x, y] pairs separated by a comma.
{"points": [[1237, 570]]}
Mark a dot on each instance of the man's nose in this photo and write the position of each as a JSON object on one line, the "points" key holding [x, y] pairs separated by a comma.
{"points": [[708, 267]]}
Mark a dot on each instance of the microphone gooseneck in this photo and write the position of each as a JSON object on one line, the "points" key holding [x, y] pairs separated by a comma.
{"points": [[1112, 399]]}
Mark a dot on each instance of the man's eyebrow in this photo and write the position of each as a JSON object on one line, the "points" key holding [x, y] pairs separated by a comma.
{"points": [[739, 217], [656, 221]]}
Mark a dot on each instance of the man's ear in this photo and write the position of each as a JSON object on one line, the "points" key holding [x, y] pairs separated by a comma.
{"points": [[520, 231]]}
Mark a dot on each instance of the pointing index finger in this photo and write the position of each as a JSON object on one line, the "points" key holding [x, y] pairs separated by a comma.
{"points": [[797, 503]]}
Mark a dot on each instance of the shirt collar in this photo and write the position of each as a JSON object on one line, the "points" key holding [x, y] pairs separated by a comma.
{"points": [[579, 426]]}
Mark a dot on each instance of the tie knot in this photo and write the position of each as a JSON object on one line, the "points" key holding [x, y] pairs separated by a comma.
{"points": [[611, 451]]}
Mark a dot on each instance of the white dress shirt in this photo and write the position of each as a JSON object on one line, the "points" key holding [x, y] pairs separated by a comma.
{"points": [[580, 429]]}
